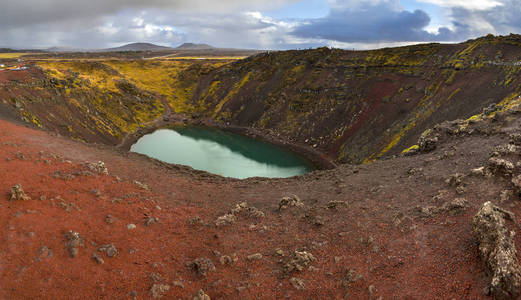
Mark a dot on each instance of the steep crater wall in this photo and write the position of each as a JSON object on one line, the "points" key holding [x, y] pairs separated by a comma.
{"points": [[354, 106], [358, 106]]}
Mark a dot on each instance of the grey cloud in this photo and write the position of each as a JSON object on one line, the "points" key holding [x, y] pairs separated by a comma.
{"points": [[377, 21], [20, 13]]}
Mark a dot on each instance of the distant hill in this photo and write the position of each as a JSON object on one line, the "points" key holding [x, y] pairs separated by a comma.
{"points": [[139, 47], [192, 46], [64, 49]]}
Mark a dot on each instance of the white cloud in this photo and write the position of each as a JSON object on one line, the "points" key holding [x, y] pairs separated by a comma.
{"points": [[466, 4]]}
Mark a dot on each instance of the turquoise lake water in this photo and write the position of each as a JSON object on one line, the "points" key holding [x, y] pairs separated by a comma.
{"points": [[221, 153]]}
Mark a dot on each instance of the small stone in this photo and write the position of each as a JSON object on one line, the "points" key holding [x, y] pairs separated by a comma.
{"points": [[226, 219], [460, 189], [109, 219], [351, 277], [155, 277], [151, 220], [336, 204], [73, 252], [201, 295], [505, 195], [225, 260], [97, 258], [202, 265], [279, 252], [516, 181], [98, 167], [45, 252], [158, 290], [141, 185], [178, 283], [297, 283], [109, 249], [372, 289], [256, 256], [17, 193], [456, 206], [74, 240], [131, 226]]}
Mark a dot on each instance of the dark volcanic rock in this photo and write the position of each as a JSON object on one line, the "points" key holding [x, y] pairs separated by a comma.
{"points": [[498, 251]]}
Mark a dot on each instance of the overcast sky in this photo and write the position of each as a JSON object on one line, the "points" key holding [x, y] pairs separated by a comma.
{"points": [[259, 24]]}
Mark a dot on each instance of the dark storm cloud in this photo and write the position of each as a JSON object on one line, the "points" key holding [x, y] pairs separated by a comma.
{"points": [[377, 21]]}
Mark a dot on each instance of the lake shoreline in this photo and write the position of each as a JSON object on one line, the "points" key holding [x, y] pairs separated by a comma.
{"points": [[318, 159]]}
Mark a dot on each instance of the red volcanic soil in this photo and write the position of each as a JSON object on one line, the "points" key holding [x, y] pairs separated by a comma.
{"points": [[362, 225]]}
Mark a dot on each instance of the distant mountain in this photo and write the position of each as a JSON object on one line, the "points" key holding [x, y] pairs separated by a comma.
{"points": [[139, 47], [192, 46]]}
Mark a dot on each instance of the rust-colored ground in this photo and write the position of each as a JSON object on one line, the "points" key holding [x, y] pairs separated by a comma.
{"points": [[379, 236]]}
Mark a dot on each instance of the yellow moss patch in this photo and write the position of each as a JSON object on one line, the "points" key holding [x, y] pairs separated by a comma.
{"points": [[412, 148], [232, 93]]}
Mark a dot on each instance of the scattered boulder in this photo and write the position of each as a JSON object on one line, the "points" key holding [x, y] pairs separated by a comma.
{"points": [[17, 193], [428, 141], [109, 249], [455, 206], [515, 139], [98, 167], [243, 208], [74, 241], [290, 201], [240, 209], [478, 171], [131, 226], [201, 295], [298, 261], [159, 290], [226, 219], [505, 149], [516, 181], [498, 251], [202, 266], [500, 166]]}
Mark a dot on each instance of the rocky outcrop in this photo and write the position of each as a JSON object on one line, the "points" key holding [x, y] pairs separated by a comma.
{"points": [[498, 251]]}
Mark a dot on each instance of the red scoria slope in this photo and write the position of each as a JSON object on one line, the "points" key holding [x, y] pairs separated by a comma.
{"points": [[361, 231]]}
